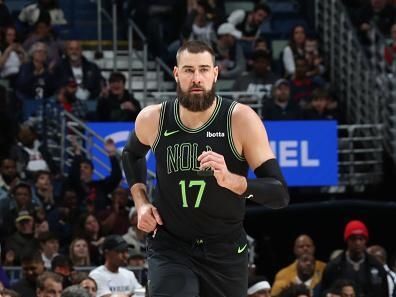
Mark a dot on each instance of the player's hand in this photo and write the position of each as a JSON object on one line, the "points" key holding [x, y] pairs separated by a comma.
{"points": [[148, 218], [224, 177]]}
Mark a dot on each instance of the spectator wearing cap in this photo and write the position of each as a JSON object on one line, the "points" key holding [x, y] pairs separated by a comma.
{"points": [[357, 265], [258, 287], [260, 78], [280, 107], [49, 246], [111, 277], [22, 240], [32, 267], [116, 104], [229, 54], [77, 68]]}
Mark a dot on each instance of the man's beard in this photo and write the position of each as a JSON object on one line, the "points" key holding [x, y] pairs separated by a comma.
{"points": [[196, 102]]}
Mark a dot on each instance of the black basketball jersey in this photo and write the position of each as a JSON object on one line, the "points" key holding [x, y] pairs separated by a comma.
{"points": [[194, 206]]}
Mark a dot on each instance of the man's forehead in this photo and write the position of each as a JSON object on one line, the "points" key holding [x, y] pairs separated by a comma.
{"points": [[195, 59]]}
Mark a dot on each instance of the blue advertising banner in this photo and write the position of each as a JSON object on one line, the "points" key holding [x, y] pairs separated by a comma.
{"points": [[305, 150]]}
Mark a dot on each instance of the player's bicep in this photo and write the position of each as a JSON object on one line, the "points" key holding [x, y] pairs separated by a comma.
{"points": [[146, 124]]}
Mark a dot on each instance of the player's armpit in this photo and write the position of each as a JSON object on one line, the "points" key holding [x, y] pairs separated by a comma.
{"points": [[269, 188], [134, 160]]}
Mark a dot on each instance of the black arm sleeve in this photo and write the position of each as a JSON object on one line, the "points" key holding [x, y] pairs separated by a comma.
{"points": [[269, 188], [134, 160]]}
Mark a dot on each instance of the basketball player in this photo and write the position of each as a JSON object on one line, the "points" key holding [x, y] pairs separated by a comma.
{"points": [[203, 146]]}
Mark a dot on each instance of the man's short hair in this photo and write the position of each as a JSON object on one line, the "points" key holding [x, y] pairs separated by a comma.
{"points": [[261, 54], [32, 256], [61, 261], [21, 185], [262, 6], [48, 275], [87, 161], [195, 47], [75, 291], [47, 236]]}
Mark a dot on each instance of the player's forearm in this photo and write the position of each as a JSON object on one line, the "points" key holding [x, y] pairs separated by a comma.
{"points": [[236, 183], [139, 194]]}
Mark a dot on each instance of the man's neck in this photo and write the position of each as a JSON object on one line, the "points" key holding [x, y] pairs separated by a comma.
{"points": [[76, 63], [194, 120], [111, 268]]}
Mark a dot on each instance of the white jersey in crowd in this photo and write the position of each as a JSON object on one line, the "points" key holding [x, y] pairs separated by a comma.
{"points": [[122, 282]]}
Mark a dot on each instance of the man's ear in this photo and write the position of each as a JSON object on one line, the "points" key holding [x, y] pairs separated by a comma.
{"points": [[176, 74]]}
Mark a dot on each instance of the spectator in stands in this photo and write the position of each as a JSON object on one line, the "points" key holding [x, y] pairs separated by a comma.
{"points": [[296, 290], [301, 86], [306, 275], [114, 219], [22, 241], [31, 12], [9, 293], [68, 100], [261, 78], [91, 192], [20, 199], [315, 62], [75, 291], [357, 265], [63, 266], [49, 246], [135, 237], [321, 107], [43, 33], [390, 49], [30, 155], [295, 49], [343, 288], [49, 284], [41, 225], [249, 23], [43, 190], [75, 67], [79, 252], [34, 81], [12, 54], [229, 54], [280, 107], [380, 254], [8, 177], [377, 12], [111, 277], [89, 228], [89, 284], [32, 267], [116, 104], [5, 16], [258, 287]]}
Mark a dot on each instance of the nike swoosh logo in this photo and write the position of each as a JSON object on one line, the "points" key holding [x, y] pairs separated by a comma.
{"points": [[166, 133], [241, 249]]}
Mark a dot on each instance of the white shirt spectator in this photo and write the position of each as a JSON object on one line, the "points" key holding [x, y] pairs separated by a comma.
{"points": [[391, 277], [30, 14], [122, 282]]}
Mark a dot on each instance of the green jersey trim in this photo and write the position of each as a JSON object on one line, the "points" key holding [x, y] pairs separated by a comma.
{"points": [[229, 133], [204, 126], [162, 113]]}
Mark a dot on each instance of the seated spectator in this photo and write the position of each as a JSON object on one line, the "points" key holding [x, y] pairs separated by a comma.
{"points": [[31, 156], [63, 266], [357, 265], [295, 290], [344, 288], [390, 49], [49, 246], [31, 12], [93, 193], [49, 284], [115, 103], [114, 219], [79, 252], [34, 81], [280, 107], [32, 267], [75, 67], [22, 241], [377, 12], [258, 287], [89, 284], [43, 33], [41, 225], [43, 190], [111, 277], [5, 16], [8, 177], [301, 86], [229, 54], [381, 255], [260, 79], [321, 107], [9, 293], [249, 23], [135, 237], [315, 62], [74, 291], [296, 48], [12, 54]]}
